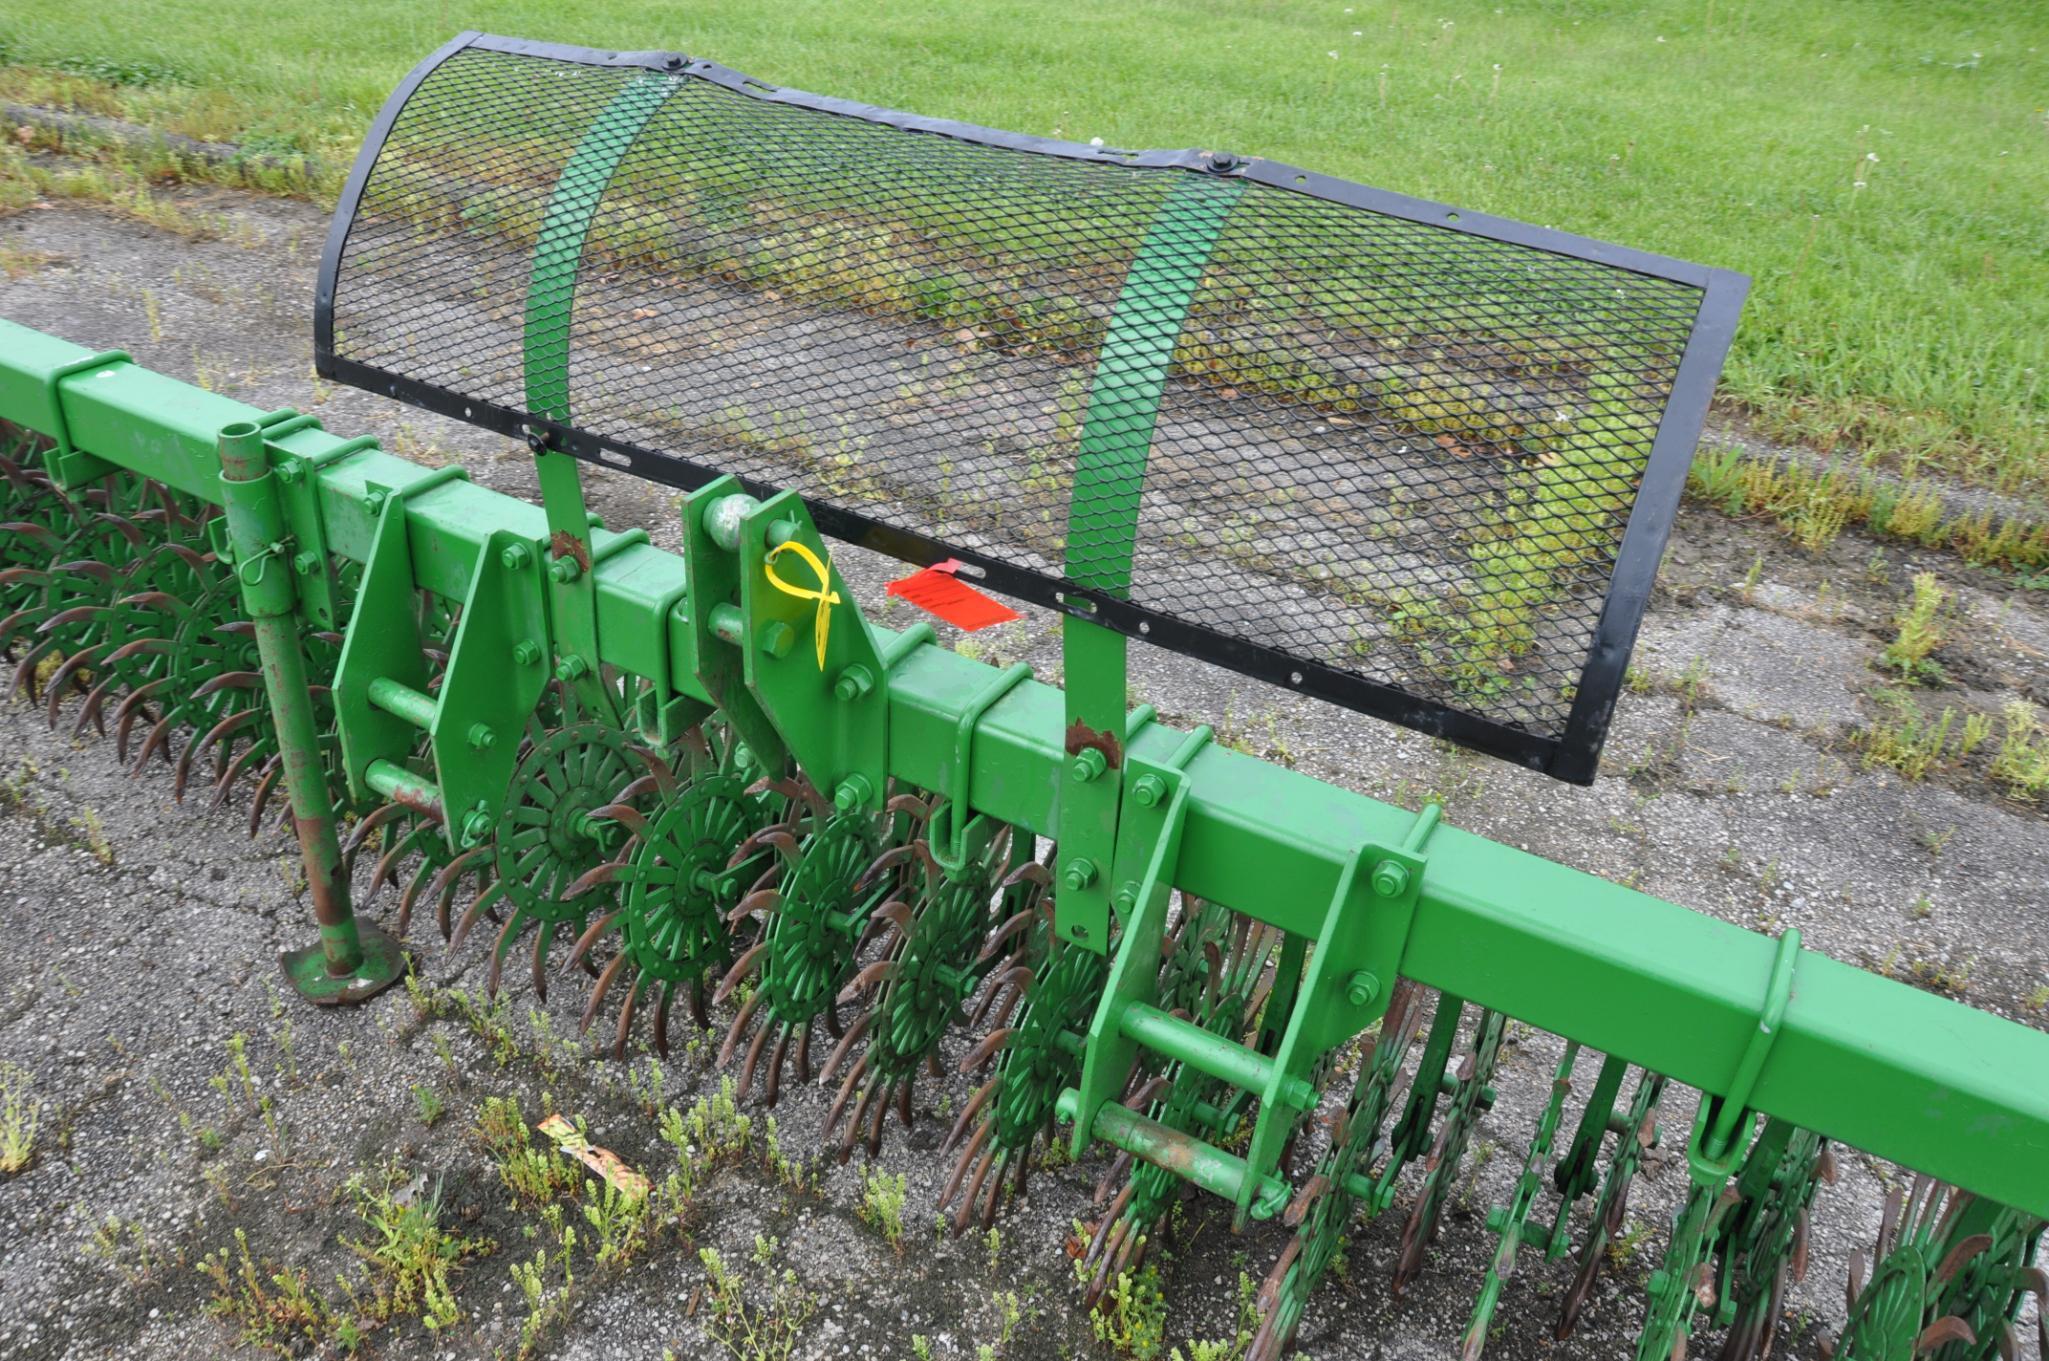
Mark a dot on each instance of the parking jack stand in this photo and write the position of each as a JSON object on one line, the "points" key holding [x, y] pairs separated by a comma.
{"points": [[353, 962]]}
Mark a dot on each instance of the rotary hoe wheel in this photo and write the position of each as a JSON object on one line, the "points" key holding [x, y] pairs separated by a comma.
{"points": [[1950, 1278], [676, 882], [1215, 964], [836, 869], [1059, 986], [551, 832], [940, 939]]}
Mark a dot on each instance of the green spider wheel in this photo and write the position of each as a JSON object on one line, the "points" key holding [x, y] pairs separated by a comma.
{"points": [[1951, 1277], [129, 625], [1766, 1245], [1637, 1136], [933, 960], [1322, 1211], [1039, 1058], [816, 919], [677, 884], [1468, 1101], [208, 645], [548, 836]]}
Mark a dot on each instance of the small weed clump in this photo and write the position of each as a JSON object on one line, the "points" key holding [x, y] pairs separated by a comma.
{"points": [[1921, 631], [2021, 765], [18, 1120], [767, 1331], [882, 1204], [1904, 738], [409, 1254]]}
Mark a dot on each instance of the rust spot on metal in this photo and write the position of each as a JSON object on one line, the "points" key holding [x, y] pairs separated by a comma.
{"points": [[567, 545], [1080, 737]]}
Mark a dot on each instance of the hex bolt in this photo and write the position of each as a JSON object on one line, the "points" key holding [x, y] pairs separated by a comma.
{"points": [[572, 668], [564, 570], [526, 652], [852, 683], [853, 792], [777, 638], [1361, 988], [289, 470], [1127, 899], [781, 532], [514, 556], [1391, 879], [305, 563], [1079, 874], [1089, 763], [481, 737], [1148, 790], [374, 502]]}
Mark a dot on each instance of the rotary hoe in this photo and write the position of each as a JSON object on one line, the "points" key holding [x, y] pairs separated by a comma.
{"points": [[1413, 461]]}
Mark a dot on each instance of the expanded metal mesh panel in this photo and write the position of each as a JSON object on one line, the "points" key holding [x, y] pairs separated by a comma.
{"points": [[1345, 440]]}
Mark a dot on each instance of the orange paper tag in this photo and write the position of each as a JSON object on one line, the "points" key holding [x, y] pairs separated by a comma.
{"points": [[936, 590]]}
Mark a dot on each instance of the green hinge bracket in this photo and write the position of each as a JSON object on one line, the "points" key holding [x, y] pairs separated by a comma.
{"points": [[69, 466], [1102, 533]]}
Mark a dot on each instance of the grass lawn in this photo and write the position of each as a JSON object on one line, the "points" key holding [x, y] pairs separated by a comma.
{"points": [[1880, 169]]}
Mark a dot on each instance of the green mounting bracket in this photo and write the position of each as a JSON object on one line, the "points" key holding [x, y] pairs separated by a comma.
{"points": [[808, 656], [1148, 854], [955, 834], [320, 598], [69, 466], [1345, 988], [716, 627]]}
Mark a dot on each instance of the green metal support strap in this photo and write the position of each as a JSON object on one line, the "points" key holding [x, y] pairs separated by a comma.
{"points": [[1102, 529], [550, 316]]}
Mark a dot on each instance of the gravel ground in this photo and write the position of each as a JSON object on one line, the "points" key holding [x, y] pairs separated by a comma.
{"points": [[141, 937]]}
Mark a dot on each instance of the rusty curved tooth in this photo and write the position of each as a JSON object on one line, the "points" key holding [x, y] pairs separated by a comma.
{"points": [[1030, 872], [228, 680], [797, 791], [845, 1094], [882, 1105], [895, 913], [1013, 927], [967, 1114], [662, 1019], [158, 741], [874, 973], [93, 711], [761, 900], [468, 920], [917, 807], [888, 860], [251, 756], [625, 814], [753, 1060], [85, 567], [987, 1049], [1112, 1175], [968, 1153], [368, 827], [266, 785], [595, 877], [454, 870], [48, 540], [691, 739], [753, 844], [77, 614], [591, 935], [500, 948], [421, 874], [843, 1048], [238, 628], [25, 673], [742, 967], [626, 1012], [487, 898], [544, 936], [122, 525], [739, 1028], [700, 1010], [1949, 1328], [226, 728], [1953, 1260], [995, 1190], [1148, 1093], [65, 678], [385, 871], [604, 985], [772, 1089], [637, 789], [135, 702], [657, 770]]}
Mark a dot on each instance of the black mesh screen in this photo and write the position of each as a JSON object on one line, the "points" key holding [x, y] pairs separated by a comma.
{"points": [[1392, 460]]}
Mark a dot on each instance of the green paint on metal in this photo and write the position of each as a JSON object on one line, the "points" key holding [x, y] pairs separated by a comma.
{"points": [[1864, 1060], [1131, 376], [551, 292]]}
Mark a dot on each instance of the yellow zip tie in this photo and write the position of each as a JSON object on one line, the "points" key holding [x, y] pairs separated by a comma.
{"points": [[825, 595]]}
